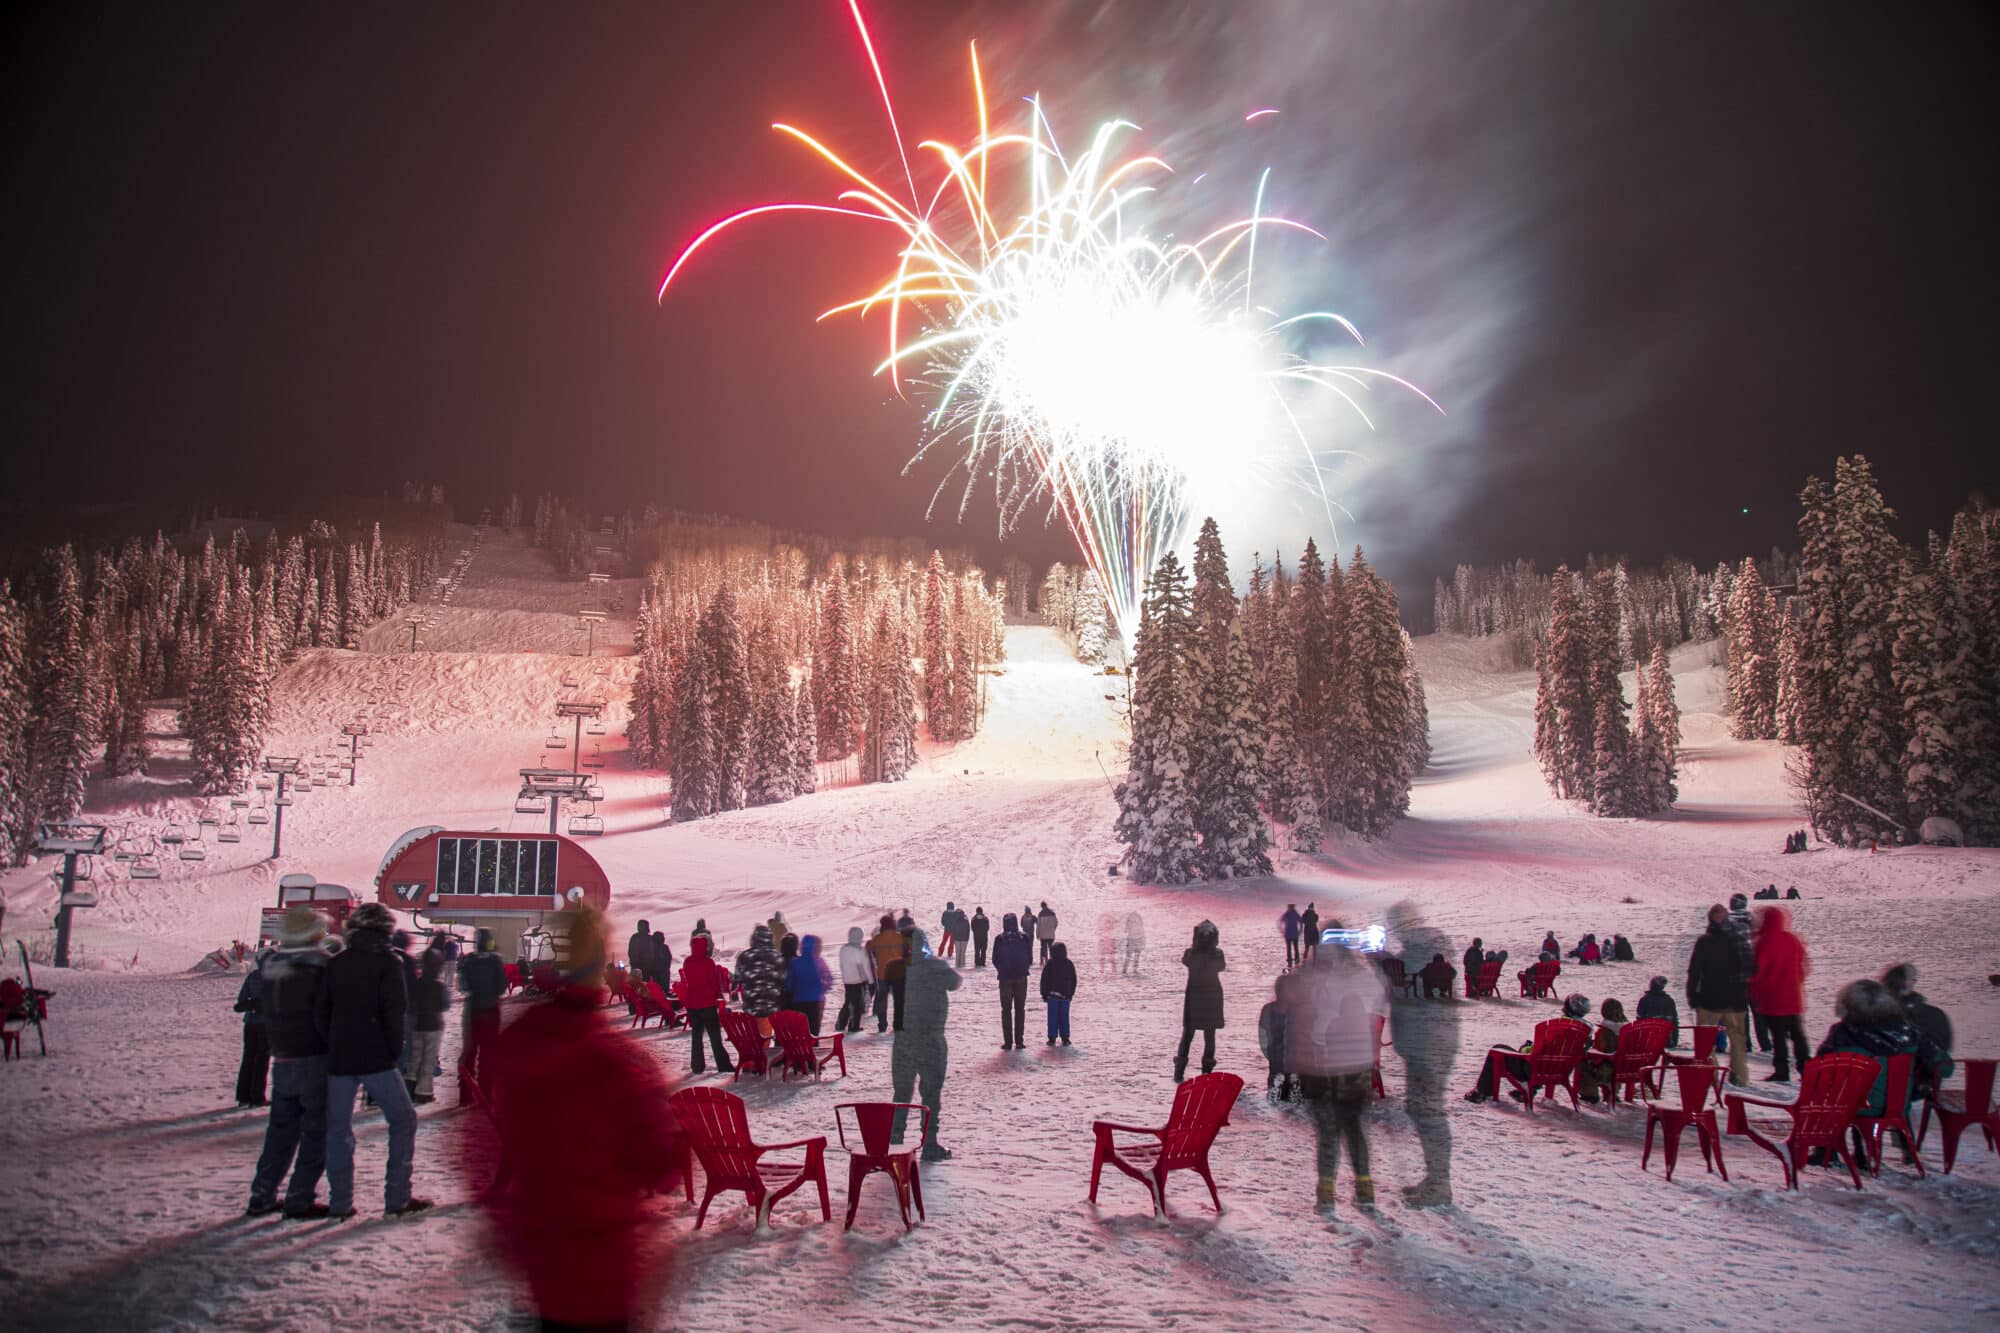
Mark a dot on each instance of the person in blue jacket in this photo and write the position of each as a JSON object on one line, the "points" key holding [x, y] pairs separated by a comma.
{"points": [[1013, 955], [805, 982]]}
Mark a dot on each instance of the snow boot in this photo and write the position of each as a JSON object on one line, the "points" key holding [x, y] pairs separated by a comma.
{"points": [[260, 1209], [1180, 1071], [311, 1212], [1364, 1191], [936, 1152], [1430, 1192], [1325, 1201], [412, 1208]]}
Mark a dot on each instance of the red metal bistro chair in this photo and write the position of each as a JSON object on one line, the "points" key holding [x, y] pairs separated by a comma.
{"points": [[752, 1055], [1970, 1107], [1552, 1059], [1697, 1083], [719, 1132], [1705, 1037], [1201, 1109], [873, 1122], [1895, 1117], [1831, 1088], [803, 1053]]}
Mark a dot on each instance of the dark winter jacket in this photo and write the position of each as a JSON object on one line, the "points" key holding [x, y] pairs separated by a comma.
{"points": [[927, 986], [1656, 1003], [660, 962], [802, 974], [1309, 924], [1289, 923], [1898, 1036], [956, 924], [361, 1007], [1741, 930], [981, 926], [430, 1000], [292, 982], [250, 997], [1059, 974], [1621, 949], [1013, 955], [1271, 1035], [1778, 987], [483, 979], [639, 952], [891, 953], [1718, 976], [1201, 1007], [704, 982], [1929, 1019], [760, 975], [1474, 956]]}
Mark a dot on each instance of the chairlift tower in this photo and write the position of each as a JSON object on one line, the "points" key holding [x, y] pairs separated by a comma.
{"points": [[589, 621], [578, 710], [555, 785], [354, 731], [69, 839], [281, 768]]}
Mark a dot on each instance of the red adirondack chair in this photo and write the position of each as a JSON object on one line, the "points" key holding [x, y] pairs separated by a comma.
{"points": [[873, 1122], [1201, 1109], [20, 1009], [804, 1053], [1397, 976], [544, 978], [1962, 1110], [1895, 1117], [1538, 982], [719, 1132], [1552, 1061], [752, 1055], [514, 981], [1697, 1084], [1375, 1074], [1705, 1036], [1486, 983], [649, 1002], [1830, 1089], [1636, 1062]]}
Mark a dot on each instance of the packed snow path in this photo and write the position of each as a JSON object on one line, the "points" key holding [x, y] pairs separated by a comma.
{"points": [[123, 1177]]}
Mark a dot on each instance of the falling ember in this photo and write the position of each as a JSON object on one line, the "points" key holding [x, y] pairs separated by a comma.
{"points": [[1075, 356]]}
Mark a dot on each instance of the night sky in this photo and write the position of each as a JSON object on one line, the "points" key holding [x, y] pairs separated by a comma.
{"points": [[1659, 260]]}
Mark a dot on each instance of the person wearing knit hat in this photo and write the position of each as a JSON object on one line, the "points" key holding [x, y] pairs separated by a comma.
{"points": [[360, 1012], [295, 1135]]}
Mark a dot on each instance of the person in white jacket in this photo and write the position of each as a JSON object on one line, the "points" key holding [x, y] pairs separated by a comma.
{"points": [[857, 974], [1045, 929], [1135, 943], [1330, 1043]]}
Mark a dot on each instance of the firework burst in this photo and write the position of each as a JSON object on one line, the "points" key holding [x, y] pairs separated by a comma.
{"points": [[1093, 367]]}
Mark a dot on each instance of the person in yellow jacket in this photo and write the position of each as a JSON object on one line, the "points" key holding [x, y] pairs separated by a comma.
{"points": [[890, 950]]}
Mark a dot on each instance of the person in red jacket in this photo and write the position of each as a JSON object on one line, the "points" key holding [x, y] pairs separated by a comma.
{"points": [[1778, 989], [583, 1138], [703, 986]]}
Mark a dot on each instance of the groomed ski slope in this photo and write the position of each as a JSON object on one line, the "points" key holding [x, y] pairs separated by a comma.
{"points": [[123, 1174]]}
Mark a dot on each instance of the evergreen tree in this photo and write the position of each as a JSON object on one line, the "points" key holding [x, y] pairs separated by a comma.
{"points": [[1566, 702], [60, 725], [1787, 712], [836, 676], [805, 741], [1156, 816], [891, 746], [697, 765], [1972, 563], [226, 733], [729, 697], [1752, 643], [1936, 677], [1376, 705], [939, 713], [773, 771], [964, 687], [1652, 762], [1091, 619], [16, 793], [1312, 637], [326, 633], [1821, 768], [1234, 840], [1287, 778], [1613, 788], [1871, 713], [354, 609]]}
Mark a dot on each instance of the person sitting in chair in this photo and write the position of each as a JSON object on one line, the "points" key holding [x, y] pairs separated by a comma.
{"points": [[1437, 976], [1576, 1007]]}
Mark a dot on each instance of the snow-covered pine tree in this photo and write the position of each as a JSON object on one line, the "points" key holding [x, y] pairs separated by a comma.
{"points": [[1613, 789], [639, 722], [1972, 560], [836, 672], [939, 715], [964, 686], [1821, 768], [1287, 777], [1376, 770], [1652, 766], [1056, 600], [306, 634], [891, 746], [773, 772], [1156, 817], [1235, 841], [1752, 644], [805, 741], [1872, 714], [729, 697], [1936, 678], [1787, 712], [16, 794], [225, 735], [1548, 744], [697, 790], [1418, 740], [1091, 620], [1312, 637], [326, 634], [1570, 706], [60, 726]]}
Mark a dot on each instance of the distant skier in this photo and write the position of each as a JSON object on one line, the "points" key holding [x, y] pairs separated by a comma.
{"points": [[981, 925], [1013, 956], [1135, 943], [253, 1070], [1045, 929], [1201, 1004], [1288, 926], [1058, 989], [1308, 933], [921, 1056]]}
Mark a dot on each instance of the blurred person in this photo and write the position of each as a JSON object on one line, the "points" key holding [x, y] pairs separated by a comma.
{"points": [[1718, 986], [980, 926], [1437, 976], [1013, 958], [891, 954], [1107, 944], [1058, 989], [482, 980], [639, 952], [1330, 1040], [856, 971], [920, 1057], [1426, 1038], [295, 1136], [361, 1012], [780, 930], [1045, 929], [1288, 926], [583, 1141], [1201, 1003], [1271, 1020], [253, 1070], [1745, 934], [428, 1003], [703, 987], [1135, 943], [1778, 990], [956, 928], [661, 959], [1308, 932]]}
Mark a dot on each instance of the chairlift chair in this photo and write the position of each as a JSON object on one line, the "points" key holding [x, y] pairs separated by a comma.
{"points": [[265, 784], [531, 804], [239, 803], [587, 826], [555, 742], [194, 850], [596, 759], [230, 832], [127, 850], [173, 837], [596, 728], [593, 792], [569, 680], [146, 867], [261, 815]]}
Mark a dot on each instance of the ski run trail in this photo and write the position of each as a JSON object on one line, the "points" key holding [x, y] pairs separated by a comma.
{"points": [[124, 1169]]}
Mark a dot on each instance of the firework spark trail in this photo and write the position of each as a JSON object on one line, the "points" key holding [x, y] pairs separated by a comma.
{"points": [[1071, 354]]}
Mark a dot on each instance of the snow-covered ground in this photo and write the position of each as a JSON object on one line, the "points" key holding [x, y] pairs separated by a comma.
{"points": [[123, 1174]]}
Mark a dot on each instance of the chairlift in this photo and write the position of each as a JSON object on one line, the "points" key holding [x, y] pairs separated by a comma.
{"points": [[230, 832], [146, 867], [265, 784], [593, 792], [194, 851], [531, 804], [173, 837], [596, 727], [261, 815], [569, 680], [207, 820], [239, 803], [555, 742], [127, 851], [587, 826], [282, 801], [596, 759]]}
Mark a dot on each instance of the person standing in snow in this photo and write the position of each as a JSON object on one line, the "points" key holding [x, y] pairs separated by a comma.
{"points": [[1107, 944], [1718, 986], [1045, 929], [293, 974], [1656, 1003], [1271, 1040], [1028, 919], [482, 979], [806, 984], [1058, 989], [703, 986], [760, 975], [428, 1003], [1745, 935], [1308, 933], [1475, 954], [1013, 956], [981, 926], [361, 1012], [856, 971], [958, 926], [1201, 1005], [920, 1057], [1778, 990], [583, 1147], [660, 959], [1288, 926], [889, 950], [1426, 1038], [253, 1071], [779, 930], [1331, 1042], [639, 952], [1135, 943]]}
